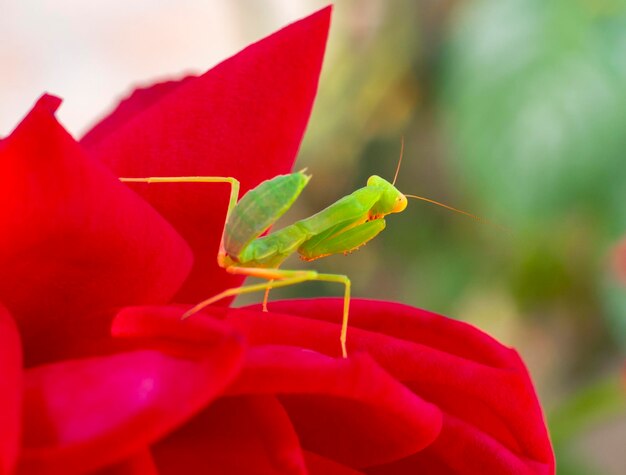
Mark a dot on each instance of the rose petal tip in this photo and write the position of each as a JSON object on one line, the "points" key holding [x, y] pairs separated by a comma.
{"points": [[48, 102]]}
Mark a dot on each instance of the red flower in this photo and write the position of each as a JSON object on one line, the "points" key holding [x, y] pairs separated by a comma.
{"points": [[237, 391]]}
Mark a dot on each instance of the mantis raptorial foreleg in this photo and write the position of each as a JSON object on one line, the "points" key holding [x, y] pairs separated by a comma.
{"points": [[281, 278], [234, 183], [232, 201]]}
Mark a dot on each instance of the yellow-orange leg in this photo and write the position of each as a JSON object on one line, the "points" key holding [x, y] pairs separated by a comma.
{"points": [[267, 294], [282, 278]]}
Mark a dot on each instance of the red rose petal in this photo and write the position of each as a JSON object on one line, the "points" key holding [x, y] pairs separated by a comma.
{"points": [[422, 462], [236, 435], [243, 118], [348, 410], [74, 242], [162, 328], [165, 322], [407, 323], [449, 455], [492, 417], [459, 438], [10, 391], [86, 414], [139, 100], [318, 465], [470, 376], [140, 463]]}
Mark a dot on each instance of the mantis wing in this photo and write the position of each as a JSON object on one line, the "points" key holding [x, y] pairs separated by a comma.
{"points": [[259, 208]]}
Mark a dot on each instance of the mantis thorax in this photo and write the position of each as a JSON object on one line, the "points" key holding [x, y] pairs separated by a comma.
{"points": [[391, 200]]}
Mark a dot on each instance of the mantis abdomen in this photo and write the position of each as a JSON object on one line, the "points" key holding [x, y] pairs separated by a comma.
{"points": [[259, 208]]}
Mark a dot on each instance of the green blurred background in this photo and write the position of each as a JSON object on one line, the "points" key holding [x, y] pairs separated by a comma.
{"points": [[514, 110]]}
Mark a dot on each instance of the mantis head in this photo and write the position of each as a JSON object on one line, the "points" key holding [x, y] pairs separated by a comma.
{"points": [[391, 200], [394, 201]]}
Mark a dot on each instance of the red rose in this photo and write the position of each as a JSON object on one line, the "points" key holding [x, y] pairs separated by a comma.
{"points": [[230, 391]]}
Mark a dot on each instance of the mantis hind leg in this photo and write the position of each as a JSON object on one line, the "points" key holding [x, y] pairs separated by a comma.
{"points": [[282, 278], [267, 294]]}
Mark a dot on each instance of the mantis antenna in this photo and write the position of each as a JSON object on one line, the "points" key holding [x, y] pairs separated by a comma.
{"points": [[428, 200], [473, 216], [395, 177]]}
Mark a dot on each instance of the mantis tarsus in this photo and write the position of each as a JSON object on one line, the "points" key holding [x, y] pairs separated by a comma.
{"points": [[342, 227]]}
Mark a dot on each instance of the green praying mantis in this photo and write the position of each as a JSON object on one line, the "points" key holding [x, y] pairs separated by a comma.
{"points": [[342, 227]]}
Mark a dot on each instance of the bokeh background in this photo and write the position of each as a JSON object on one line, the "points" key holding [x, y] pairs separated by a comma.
{"points": [[514, 110]]}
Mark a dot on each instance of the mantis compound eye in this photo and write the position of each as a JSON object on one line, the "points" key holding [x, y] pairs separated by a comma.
{"points": [[400, 204]]}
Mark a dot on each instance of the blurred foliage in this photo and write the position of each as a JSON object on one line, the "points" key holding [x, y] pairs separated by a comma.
{"points": [[585, 408], [514, 110], [534, 92]]}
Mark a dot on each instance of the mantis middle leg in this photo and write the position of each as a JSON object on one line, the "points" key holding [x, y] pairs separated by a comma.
{"points": [[282, 278]]}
